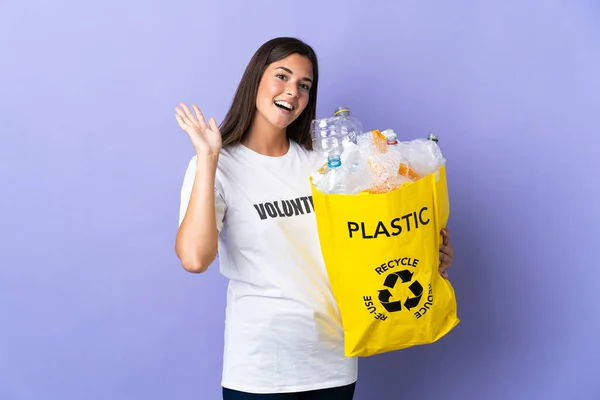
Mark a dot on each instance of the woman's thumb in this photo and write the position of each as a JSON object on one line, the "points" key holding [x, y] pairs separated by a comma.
{"points": [[213, 125]]}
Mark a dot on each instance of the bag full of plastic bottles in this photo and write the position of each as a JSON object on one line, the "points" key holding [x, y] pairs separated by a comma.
{"points": [[380, 205]]}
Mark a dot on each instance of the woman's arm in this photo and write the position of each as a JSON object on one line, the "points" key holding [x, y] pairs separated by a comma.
{"points": [[197, 237]]}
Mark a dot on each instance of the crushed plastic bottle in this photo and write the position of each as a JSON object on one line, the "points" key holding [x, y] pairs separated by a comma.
{"points": [[329, 134], [425, 155], [350, 127]]}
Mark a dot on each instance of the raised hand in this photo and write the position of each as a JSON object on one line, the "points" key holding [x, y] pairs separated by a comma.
{"points": [[205, 137]]}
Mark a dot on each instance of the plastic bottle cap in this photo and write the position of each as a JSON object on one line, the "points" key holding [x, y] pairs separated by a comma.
{"points": [[334, 161], [391, 138], [433, 137], [341, 110]]}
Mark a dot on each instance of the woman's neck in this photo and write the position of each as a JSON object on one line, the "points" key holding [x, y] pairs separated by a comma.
{"points": [[266, 139]]}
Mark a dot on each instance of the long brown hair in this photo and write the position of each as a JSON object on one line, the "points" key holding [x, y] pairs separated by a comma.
{"points": [[239, 118]]}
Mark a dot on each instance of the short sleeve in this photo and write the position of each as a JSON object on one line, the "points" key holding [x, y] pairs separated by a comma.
{"points": [[186, 192]]}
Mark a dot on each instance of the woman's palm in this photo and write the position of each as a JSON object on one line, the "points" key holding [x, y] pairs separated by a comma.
{"points": [[205, 137]]}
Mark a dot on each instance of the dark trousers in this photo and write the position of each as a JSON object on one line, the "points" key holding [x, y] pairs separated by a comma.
{"points": [[337, 393]]}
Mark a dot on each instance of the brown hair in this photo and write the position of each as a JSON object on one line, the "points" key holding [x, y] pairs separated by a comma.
{"points": [[239, 118]]}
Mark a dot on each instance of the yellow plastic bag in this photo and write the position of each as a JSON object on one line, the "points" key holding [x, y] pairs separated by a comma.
{"points": [[382, 255]]}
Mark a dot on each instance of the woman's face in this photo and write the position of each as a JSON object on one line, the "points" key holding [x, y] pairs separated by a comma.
{"points": [[283, 91]]}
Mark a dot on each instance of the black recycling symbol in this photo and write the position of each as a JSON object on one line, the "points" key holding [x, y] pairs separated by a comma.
{"points": [[390, 282]]}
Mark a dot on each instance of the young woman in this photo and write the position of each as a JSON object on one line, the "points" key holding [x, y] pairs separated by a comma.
{"points": [[246, 193]]}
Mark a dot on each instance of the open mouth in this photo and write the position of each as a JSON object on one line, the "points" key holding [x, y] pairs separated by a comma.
{"points": [[284, 105]]}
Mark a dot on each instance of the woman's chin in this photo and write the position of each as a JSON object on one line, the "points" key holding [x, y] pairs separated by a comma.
{"points": [[281, 123]]}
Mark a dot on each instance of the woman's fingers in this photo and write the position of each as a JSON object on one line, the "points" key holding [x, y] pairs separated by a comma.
{"points": [[199, 115], [188, 113], [213, 125], [180, 121], [446, 236], [180, 114]]}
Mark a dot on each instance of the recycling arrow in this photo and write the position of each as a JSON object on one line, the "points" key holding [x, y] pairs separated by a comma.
{"points": [[390, 280], [405, 275], [416, 290], [384, 298]]}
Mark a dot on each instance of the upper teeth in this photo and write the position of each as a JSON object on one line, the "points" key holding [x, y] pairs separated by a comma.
{"points": [[284, 104]]}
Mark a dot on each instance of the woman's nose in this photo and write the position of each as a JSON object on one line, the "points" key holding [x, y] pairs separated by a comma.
{"points": [[292, 91]]}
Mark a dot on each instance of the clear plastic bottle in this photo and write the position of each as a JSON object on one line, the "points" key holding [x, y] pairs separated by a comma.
{"points": [[435, 152], [334, 177], [330, 134], [335, 138], [328, 141], [350, 127], [326, 137], [432, 137], [425, 155]]}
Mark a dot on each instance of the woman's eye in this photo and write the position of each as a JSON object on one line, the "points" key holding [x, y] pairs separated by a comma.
{"points": [[280, 76], [304, 86]]}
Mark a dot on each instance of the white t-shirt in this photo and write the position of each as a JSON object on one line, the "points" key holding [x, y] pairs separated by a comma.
{"points": [[283, 330]]}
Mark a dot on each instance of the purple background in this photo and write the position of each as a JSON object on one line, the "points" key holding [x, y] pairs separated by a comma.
{"points": [[93, 302]]}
